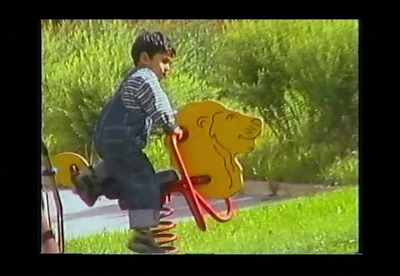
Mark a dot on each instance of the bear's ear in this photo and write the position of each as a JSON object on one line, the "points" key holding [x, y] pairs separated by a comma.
{"points": [[201, 121]]}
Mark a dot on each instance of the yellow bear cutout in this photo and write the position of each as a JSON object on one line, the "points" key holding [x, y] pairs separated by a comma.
{"points": [[62, 163], [215, 136]]}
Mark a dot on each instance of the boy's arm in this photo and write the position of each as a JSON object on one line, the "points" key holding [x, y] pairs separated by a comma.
{"points": [[155, 103]]}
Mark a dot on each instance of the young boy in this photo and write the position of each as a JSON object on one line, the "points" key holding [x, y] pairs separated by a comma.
{"points": [[123, 129]]}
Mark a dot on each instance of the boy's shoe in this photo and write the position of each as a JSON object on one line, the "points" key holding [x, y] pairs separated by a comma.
{"points": [[87, 186], [143, 242]]}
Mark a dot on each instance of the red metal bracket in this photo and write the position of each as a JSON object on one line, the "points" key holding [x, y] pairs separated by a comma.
{"points": [[185, 186]]}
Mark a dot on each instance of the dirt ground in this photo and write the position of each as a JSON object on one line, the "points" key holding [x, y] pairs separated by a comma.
{"points": [[282, 189]]}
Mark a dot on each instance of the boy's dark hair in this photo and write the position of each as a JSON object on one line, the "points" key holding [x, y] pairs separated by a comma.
{"points": [[151, 43]]}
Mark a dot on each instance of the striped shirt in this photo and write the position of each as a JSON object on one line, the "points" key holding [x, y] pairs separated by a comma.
{"points": [[142, 91]]}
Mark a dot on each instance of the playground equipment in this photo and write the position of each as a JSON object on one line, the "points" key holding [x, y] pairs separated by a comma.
{"points": [[204, 159], [49, 186]]}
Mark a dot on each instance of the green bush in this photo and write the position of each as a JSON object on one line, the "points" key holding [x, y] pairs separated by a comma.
{"points": [[301, 77], [81, 69], [300, 74], [281, 162], [344, 171]]}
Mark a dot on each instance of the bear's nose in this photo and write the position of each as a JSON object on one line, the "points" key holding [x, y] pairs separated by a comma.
{"points": [[256, 122]]}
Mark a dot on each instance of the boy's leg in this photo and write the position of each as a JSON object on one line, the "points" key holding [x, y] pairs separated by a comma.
{"points": [[137, 185]]}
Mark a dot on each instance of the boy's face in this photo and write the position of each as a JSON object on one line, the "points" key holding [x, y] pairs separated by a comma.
{"points": [[159, 63]]}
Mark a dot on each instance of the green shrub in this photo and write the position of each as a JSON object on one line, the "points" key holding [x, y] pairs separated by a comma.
{"points": [[344, 171], [263, 63], [281, 162], [81, 70]]}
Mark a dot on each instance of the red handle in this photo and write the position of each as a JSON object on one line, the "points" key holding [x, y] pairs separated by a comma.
{"points": [[187, 188], [193, 198]]}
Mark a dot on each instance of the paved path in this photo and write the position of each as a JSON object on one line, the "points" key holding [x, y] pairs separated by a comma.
{"points": [[105, 215]]}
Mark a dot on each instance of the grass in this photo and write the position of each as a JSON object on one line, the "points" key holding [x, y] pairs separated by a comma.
{"points": [[325, 223]]}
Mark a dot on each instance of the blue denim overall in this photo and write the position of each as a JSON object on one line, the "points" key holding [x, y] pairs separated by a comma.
{"points": [[119, 139]]}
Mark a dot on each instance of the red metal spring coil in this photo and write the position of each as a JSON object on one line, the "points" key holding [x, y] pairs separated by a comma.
{"points": [[160, 233]]}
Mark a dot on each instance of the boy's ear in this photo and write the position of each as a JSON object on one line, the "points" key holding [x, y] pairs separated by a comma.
{"points": [[144, 57]]}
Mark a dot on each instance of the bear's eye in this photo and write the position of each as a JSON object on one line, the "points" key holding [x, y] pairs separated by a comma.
{"points": [[230, 116]]}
